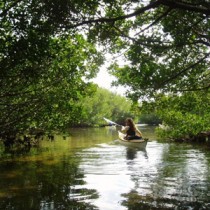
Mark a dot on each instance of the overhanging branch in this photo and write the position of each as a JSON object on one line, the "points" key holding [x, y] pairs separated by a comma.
{"points": [[186, 6], [194, 89], [184, 70], [156, 21], [152, 5]]}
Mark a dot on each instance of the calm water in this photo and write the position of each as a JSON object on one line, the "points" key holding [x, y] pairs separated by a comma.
{"points": [[90, 170]]}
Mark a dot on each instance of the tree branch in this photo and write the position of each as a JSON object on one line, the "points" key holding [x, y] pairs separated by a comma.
{"points": [[169, 3], [194, 89], [185, 6], [156, 21], [184, 70], [203, 42], [111, 20]]}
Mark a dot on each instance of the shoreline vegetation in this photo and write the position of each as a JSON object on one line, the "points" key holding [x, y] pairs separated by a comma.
{"points": [[202, 137], [23, 143]]}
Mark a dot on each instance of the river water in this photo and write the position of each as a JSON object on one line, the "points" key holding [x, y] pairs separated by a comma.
{"points": [[92, 170]]}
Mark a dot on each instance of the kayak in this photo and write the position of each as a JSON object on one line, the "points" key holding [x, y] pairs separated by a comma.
{"points": [[141, 143]]}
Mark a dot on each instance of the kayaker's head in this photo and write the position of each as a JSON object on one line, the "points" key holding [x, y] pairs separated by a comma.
{"points": [[129, 122]]}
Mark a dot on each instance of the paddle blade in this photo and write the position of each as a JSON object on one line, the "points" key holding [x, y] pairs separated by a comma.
{"points": [[110, 122]]}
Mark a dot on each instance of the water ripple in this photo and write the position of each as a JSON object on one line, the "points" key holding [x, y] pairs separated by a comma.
{"points": [[163, 173]]}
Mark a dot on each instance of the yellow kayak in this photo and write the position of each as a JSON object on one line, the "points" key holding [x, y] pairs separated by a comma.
{"points": [[134, 142]]}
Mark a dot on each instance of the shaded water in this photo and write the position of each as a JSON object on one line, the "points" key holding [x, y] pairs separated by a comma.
{"points": [[90, 170]]}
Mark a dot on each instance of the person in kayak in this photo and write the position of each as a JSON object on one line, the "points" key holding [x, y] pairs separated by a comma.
{"points": [[131, 131]]}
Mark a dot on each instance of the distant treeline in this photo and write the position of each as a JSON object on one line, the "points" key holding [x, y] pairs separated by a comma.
{"points": [[103, 103]]}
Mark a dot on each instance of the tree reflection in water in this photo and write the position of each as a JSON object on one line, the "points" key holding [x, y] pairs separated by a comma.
{"points": [[43, 185], [131, 153]]}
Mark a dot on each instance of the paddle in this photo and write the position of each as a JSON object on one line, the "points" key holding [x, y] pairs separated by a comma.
{"points": [[111, 122]]}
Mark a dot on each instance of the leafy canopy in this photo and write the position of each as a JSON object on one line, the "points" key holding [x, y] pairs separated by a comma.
{"points": [[166, 45], [48, 47], [43, 69]]}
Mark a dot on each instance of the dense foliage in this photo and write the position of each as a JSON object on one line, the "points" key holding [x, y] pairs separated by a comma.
{"points": [[149, 118], [42, 94], [103, 103], [183, 117], [42, 70], [166, 46]]}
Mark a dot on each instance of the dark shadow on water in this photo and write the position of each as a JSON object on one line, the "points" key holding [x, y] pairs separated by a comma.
{"points": [[131, 153], [44, 184]]}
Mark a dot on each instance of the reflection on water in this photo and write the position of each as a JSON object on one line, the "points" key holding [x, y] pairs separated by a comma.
{"points": [[89, 170]]}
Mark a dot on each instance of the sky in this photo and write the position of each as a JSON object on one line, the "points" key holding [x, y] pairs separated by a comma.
{"points": [[104, 80]]}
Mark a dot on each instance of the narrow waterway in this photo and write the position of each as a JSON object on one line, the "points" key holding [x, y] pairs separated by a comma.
{"points": [[92, 170]]}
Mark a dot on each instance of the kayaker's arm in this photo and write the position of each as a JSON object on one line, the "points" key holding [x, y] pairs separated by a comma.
{"points": [[124, 129]]}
